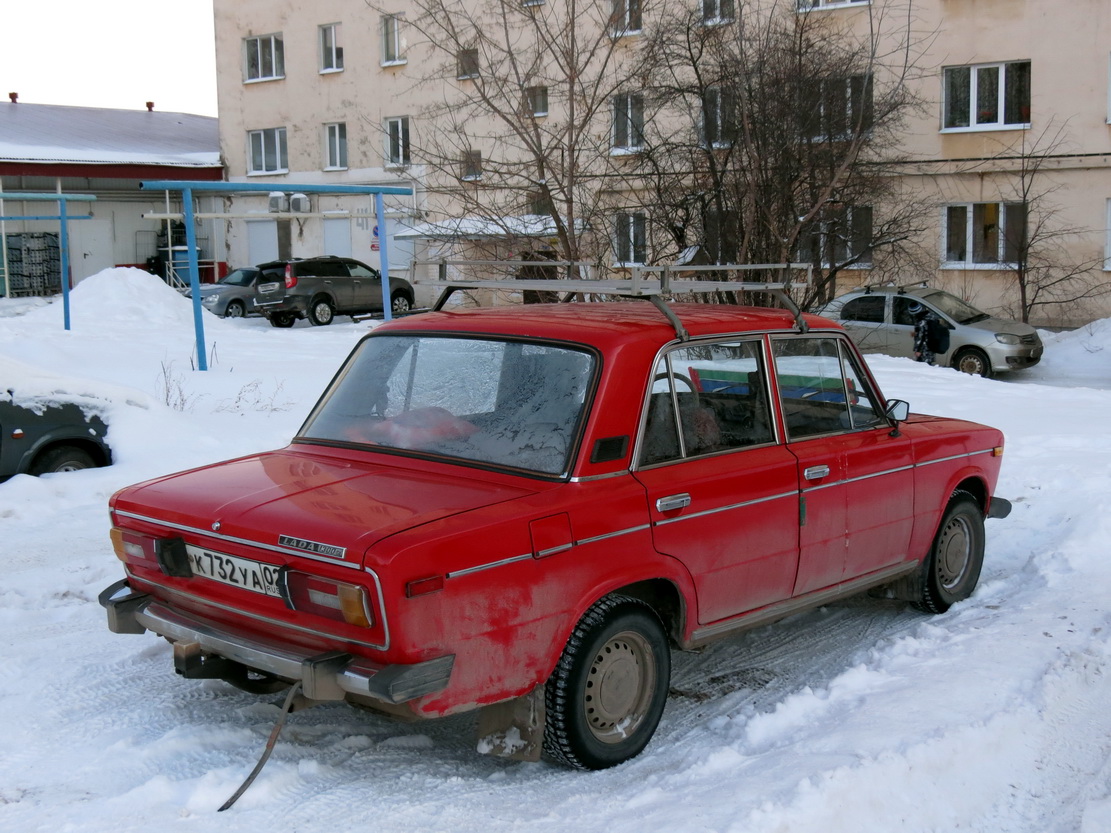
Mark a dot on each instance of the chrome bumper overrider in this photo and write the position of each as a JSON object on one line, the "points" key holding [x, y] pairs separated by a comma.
{"points": [[330, 676]]}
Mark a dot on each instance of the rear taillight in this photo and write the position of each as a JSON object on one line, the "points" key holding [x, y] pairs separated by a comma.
{"points": [[290, 278], [331, 599], [131, 547]]}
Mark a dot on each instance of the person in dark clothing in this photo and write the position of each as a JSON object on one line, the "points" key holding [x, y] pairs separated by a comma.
{"points": [[925, 327]]}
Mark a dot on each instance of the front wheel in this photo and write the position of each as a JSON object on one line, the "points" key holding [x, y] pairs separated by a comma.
{"points": [[952, 569], [235, 310], [400, 303], [972, 361], [606, 696]]}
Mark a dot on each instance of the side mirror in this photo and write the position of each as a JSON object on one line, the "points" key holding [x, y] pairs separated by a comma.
{"points": [[897, 410]]}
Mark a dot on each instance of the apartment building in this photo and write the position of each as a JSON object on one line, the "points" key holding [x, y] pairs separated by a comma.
{"points": [[1011, 149]]}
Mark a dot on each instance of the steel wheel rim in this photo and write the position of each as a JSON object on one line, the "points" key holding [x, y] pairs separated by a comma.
{"points": [[972, 365], [954, 553], [619, 687]]}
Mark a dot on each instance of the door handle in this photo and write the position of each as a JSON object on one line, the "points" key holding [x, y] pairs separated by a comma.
{"points": [[673, 502], [816, 472]]}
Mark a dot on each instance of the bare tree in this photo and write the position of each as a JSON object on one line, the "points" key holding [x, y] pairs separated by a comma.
{"points": [[1042, 250], [519, 137], [775, 138]]}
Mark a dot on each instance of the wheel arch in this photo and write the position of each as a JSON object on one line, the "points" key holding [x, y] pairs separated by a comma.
{"points": [[101, 455]]}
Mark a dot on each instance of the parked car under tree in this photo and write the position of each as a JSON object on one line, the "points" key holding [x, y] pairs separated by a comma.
{"points": [[524, 509]]}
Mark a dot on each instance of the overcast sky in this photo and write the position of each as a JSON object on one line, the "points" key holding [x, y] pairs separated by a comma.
{"points": [[117, 53]]}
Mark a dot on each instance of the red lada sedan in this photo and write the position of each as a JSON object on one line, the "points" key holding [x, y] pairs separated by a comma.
{"points": [[525, 509]]}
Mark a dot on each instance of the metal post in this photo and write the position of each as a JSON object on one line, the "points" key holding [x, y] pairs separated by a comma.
{"points": [[63, 250], [194, 278], [383, 255]]}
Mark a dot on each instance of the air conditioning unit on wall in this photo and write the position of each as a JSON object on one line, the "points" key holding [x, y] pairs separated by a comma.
{"points": [[300, 203], [279, 202]]}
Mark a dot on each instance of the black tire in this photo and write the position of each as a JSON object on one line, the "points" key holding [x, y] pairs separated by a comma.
{"points": [[952, 569], [282, 319], [972, 361], [321, 312], [400, 303], [62, 458], [604, 700], [235, 309]]}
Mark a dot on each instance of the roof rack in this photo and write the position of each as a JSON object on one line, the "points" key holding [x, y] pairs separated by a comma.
{"points": [[651, 283]]}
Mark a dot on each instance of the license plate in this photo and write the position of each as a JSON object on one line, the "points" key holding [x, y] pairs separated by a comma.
{"points": [[230, 569]]}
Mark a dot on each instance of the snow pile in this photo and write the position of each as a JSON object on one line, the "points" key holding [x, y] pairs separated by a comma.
{"points": [[862, 715]]}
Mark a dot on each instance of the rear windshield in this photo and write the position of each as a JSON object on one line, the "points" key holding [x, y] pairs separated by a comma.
{"points": [[496, 402]]}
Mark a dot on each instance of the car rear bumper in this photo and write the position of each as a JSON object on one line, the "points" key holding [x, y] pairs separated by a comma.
{"points": [[328, 676]]}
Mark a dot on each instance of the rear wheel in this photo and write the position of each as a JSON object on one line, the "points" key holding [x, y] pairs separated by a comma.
{"points": [[235, 310], [605, 698], [952, 569], [972, 361], [282, 319], [321, 312], [62, 458]]}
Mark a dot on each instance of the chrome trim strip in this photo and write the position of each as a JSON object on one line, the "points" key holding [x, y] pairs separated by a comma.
{"points": [[592, 477], [731, 506], [554, 550], [466, 571], [956, 457], [268, 620], [605, 536], [248, 542]]}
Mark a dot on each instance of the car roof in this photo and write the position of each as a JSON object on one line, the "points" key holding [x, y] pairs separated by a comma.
{"points": [[603, 324]]}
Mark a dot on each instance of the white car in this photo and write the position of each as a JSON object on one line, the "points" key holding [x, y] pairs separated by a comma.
{"points": [[880, 319]]}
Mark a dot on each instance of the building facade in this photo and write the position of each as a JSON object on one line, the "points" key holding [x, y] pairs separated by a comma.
{"points": [[1009, 148]]}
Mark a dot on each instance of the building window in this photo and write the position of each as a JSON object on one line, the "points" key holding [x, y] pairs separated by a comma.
{"points": [[987, 96], [331, 53], [842, 237], [628, 122], [807, 5], [625, 19], [397, 141], [718, 118], [630, 244], [717, 11], [984, 233], [335, 137], [264, 58], [841, 108], [393, 49], [536, 100], [267, 151], [467, 64], [471, 168]]}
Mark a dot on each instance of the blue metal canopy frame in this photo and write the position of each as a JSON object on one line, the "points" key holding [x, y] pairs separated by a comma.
{"points": [[188, 187], [63, 239]]}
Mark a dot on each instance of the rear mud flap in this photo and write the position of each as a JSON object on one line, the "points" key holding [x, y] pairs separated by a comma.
{"points": [[513, 729]]}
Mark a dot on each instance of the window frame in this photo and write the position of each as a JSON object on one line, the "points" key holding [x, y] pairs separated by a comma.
{"points": [[276, 58], [723, 109], [397, 131], [1004, 242], [627, 124], [973, 93], [331, 53], [844, 217], [718, 12], [335, 146], [281, 150], [533, 96], [471, 166], [393, 51], [626, 18], [630, 239], [467, 64]]}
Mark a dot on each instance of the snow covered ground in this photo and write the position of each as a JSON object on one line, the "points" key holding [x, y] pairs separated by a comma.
{"points": [[860, 716]]}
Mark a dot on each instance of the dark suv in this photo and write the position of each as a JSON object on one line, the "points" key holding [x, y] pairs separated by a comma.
{"points": [[319, 288], [38, 437]]}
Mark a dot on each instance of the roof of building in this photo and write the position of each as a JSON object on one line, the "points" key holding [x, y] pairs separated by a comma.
{"points": [[53, 134]]}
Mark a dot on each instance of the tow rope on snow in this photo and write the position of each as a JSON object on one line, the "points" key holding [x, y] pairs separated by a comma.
{"points": [[287, 707]]}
